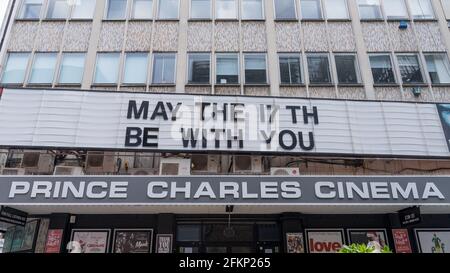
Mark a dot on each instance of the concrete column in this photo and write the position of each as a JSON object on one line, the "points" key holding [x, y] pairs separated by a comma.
{"points": [[182, 47], [272, 56], [443, 25]]}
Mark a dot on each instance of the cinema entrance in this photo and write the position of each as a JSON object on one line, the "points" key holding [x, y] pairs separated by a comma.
{"points": [[220, 236]]}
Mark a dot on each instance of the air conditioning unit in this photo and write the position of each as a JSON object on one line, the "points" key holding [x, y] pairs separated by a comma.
{"points": [[37, 162], [100, 162], [205, 163], [143, 172], [285, 171], [13, 171], [68, 170], [175, 166], [246, 164]]}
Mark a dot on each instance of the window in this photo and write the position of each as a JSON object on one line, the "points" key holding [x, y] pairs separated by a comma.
{"points": [[446, 7], [311, 9], [31, 9], [395, 9], [199, 67], [72, 67], [43, 68], [252, 9], [336, 9], [438, 68], [142, 9], [163, 68], [290, 69], [285, 9], [410, 69], [369, 9], [347, 69], [116, 9], [200, 9], [83, 9], [57, 9], [168, 9], [255, 69], [382, 69], [15, 67], [319, 69], [226, 9], [421, 9], [227, 69], [135, 71], [107, 68]]}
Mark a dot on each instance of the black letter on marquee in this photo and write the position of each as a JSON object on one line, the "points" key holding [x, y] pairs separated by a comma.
{"points": [[148, 136], [293, 112], [130, 135], [132, 109], [302, 143], [189, 137], [160, 110], [313, 114], [281, 140]]}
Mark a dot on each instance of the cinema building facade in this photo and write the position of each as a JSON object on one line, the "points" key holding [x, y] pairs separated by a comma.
{"points": [[261, 126]]}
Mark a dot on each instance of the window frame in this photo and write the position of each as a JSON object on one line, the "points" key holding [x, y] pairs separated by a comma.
{"points": [[20, 11], [153, 68], [25, 71], [33, 61], [380, 8], [356, 64], [429, 79], [157, 17], [47, 9], [72, 10], [322, 13], [325, 12], [330, 69], [218, 54], [405, 18], [392, 60], [263, 12], [131, 16], [188, 67], [443, 5], [299, 55], [105, 15], [61, 60], [118, 69], [422, 19], [421, 67], [210, 17], [296, 4], [236, 2], [266, 68], [124, 67]]}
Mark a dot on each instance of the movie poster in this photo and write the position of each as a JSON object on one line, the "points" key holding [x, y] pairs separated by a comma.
{"points": [[94, 241], [164, 243], [366, 236], [294, 243], [324, 241], [29, 234], [401, 241], [133, 241], [433, 241], [54, 239]]}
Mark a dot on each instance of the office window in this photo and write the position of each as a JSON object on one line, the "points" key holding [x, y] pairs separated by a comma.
{"points": [[31, 9], [57, 9], [72, 68], [168, 9], [83, 9], [336, 9], [15, 67], [395, 9], [446, 7], [438, 68], [382, 69], [255, 69], [227, 68], [142, 9], [285, 9], [43, 68], [163, 68], [199, 68], [252, 9], [107, 68], [421, 9], [319, 69], [116, 9], [347, 69], [290, 69], [135, 71], [200, 9], [370, 9], [226, 9], [410, 69], [311, 9]]}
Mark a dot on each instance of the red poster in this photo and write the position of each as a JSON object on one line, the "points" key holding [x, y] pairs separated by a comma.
{"points": [[53, 243], [401, 241]]}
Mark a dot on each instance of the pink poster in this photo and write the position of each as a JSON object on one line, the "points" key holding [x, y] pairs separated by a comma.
{"points": [[53, 243], [401, 241]]}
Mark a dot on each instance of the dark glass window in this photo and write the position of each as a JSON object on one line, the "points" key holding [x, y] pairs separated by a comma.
{"points": [[382, 69], [346, 68], [199, 68], [255, 69], [319, 69], [290, 69], [189, 233]]}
